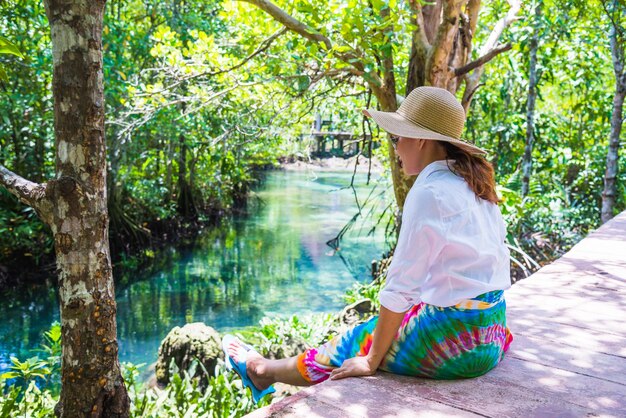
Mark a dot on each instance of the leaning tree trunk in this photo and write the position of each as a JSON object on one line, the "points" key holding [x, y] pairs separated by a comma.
{"points": [[74, 204], [527, 159], [610, 189]]}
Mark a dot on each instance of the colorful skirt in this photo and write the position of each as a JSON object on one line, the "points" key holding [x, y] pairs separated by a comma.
{"points": [[460, 341]]}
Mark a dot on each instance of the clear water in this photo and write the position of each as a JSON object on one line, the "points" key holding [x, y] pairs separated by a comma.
{"points": [[274, 262]]}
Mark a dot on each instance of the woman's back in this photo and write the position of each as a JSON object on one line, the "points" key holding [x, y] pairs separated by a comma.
{"points": [[451, 244]]}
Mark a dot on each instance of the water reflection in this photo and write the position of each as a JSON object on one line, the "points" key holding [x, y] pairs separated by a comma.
{"points": [[273, 262]]}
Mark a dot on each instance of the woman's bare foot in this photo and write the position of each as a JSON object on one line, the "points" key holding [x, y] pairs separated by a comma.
{"points": [[256, 365]]}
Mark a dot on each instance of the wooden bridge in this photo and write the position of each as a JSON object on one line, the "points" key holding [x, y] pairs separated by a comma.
{"points": [[335, 142], [567, 359]]}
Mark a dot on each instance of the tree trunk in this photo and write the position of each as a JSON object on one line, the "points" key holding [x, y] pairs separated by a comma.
{"points": [[527, 159], [74, 204], [185, 203], [168, 170], [608, 195], [91, 380]]}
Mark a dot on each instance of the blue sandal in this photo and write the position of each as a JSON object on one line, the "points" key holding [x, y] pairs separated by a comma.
{"points": [[240, 368]]}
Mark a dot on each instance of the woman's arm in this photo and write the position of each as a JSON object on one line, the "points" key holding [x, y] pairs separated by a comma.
{"points": [[420, 239], [386, 328]]}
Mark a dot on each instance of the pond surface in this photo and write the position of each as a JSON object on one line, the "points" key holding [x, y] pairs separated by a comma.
{"points": [[273, 262]]}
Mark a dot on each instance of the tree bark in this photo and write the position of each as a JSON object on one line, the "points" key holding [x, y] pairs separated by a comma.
{"points": [[472, 80], [168, 170], [91, 380], [527, 159], [185, 203], [610, 175], [74, 204]]}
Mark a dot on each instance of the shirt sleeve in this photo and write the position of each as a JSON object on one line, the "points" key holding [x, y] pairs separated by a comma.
{"points": [[420, 239]]}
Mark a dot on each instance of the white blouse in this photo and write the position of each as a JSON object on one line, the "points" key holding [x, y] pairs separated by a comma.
{"points": [[451, 244]]}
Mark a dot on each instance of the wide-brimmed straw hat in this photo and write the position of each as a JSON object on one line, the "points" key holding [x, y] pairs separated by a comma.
{"points": [[427, 113]]}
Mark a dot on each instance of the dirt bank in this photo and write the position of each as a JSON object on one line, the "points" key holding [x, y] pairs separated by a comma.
{"points": [[335, 164]]}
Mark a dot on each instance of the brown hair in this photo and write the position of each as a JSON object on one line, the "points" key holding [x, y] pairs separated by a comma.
{"points": [[475, 169]]}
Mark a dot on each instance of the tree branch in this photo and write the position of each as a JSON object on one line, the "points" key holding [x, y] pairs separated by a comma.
{"points": [[472, 80], [28, 192], [265, 44], [436, 61], [501, 25], [290, 22], [387, 62], [473, 7], [420, 33], [308, 32], [482, 60]]}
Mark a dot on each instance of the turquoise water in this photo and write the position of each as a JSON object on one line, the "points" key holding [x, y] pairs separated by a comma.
{"points": [[273, 262]]}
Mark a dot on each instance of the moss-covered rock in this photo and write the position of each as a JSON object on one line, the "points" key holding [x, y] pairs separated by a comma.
{"points": [[357, 312], [195, 340]]}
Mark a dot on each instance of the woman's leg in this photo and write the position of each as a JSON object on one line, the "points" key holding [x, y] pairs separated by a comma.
{"points": [[265, 372], [283, 370], [314, 365]]}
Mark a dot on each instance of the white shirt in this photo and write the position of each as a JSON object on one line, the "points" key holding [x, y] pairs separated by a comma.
{"points": [[451, 244]]}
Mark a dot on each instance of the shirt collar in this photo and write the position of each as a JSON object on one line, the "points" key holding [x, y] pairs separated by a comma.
{"points": [[437, 165]]}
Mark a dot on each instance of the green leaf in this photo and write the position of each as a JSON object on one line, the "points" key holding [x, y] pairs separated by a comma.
{"points": [[6, 47]]}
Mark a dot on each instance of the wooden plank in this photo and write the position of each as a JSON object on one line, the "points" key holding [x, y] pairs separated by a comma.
{"points": [[573, 359], [487, 396], [570, 334], [370, 397], [569, 317], [359, 397], [560, 277], [584, 391], [515, 388]]}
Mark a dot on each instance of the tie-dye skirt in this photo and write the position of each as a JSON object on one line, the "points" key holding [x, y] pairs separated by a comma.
{"points": [[460, 341]]}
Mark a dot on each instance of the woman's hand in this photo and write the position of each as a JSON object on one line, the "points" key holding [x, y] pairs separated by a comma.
{"points": [[382, 337], [355, 366]]}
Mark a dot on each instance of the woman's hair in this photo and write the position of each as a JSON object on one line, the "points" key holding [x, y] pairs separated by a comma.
{"points": [[475, 169]]}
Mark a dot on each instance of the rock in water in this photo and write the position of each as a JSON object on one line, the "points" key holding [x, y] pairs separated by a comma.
{"points": [[195, 340]]}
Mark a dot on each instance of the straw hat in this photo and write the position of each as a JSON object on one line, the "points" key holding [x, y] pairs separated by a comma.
{"points": [[427, 113]]}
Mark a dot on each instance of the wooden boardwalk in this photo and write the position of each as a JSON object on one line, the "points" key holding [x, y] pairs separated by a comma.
{"points": [[567, 359]]}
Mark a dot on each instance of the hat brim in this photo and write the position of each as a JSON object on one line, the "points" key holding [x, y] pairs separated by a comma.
{"points": [[396, 124]]}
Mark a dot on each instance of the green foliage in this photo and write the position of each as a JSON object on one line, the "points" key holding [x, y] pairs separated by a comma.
{"points": [[7, 47], [572, 115], [27, 370], [360, 291], [25, 125], [31, 402], [271, 333], [183, 397]]}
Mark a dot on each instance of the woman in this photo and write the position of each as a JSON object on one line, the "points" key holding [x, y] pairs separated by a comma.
{"points": [[442, 311]]}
